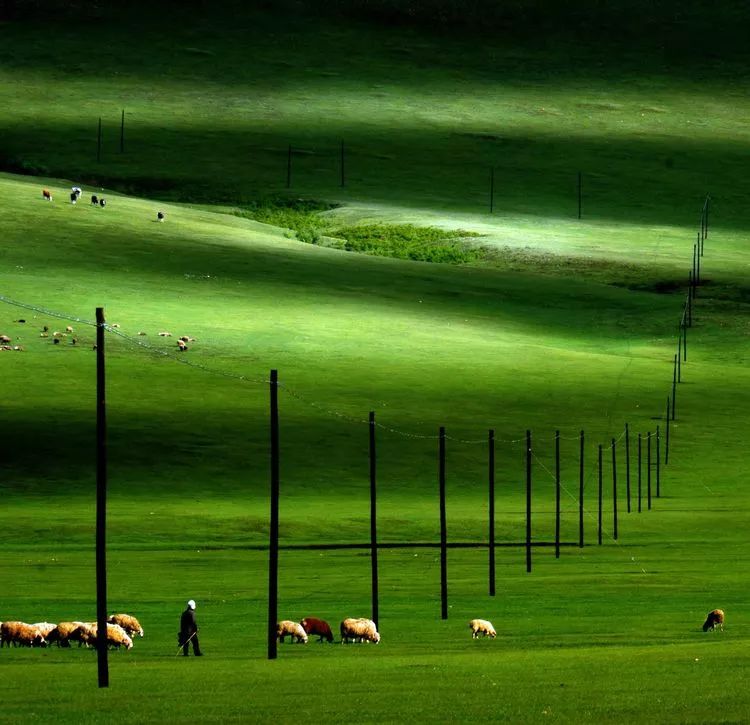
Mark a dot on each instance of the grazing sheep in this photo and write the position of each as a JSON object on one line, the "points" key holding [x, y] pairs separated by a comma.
{"points": [[94, 199], [4, 338], [359, 630], [181, 345], [69, 328], [483, 627], [73, 197], [160, 216], [20, 633], [714, 619], [46, 195], [128, 622], [62, 634], [141, 333], [84, 634], [165, 334], [117, 637], [294, 630], [45, 628], [102, 202], [311, 625]]}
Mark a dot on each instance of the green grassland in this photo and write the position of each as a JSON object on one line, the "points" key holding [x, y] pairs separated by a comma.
{"points": [[559, 324]]}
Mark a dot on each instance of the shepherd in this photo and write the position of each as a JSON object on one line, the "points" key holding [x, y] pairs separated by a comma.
{"points": [[189, 631]]}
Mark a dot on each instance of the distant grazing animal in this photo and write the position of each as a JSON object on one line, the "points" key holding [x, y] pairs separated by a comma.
{"points": [[21, 321], [56, 341], [359, 630], [94, 199], [714, 619], [311, 625], [73, 197], [165, 334], [20, 633], [46, 194], [483, 627], [44, 627], [160, 216], [4, 338], [76, 190], [116, 637], [69, 328], [102, 202], [128, 622], [62, 634], [181, 345], [291, 629], [141, 333]]}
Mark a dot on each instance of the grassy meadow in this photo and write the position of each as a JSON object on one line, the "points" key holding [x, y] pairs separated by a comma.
{"points": [[554, 324]]}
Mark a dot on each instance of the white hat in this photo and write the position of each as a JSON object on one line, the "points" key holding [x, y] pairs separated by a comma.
{"points": [[191, 604]]}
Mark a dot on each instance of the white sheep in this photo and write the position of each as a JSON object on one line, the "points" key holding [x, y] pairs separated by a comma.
{"points": [[293, 629], [359, 630], [128, 622], [483, 627]]}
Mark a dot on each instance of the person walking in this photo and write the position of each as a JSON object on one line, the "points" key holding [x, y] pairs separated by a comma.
{"points": [[189, 631]]}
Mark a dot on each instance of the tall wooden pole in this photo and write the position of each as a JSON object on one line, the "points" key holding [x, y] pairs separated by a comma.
{"points": [[491, 507], [557, 494], [648, 469], [101, 504], [373, 522], [273, 544], [666, 437], [580, 495], [443, 533], [599, 537], [528, 500], [658, 464]]}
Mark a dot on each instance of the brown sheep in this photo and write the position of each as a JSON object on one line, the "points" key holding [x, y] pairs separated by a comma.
{"points": [[129, 623], [311, 625], [714, 619]]}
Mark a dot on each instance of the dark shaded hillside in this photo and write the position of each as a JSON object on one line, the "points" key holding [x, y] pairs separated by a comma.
{"points": [[692, 28]]}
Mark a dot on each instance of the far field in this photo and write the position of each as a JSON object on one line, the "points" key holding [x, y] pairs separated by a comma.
{"points": [[560, 324]]}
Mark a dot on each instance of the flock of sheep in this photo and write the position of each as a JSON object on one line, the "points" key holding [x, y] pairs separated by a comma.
{"points": [[59, 336], [121, 628]]}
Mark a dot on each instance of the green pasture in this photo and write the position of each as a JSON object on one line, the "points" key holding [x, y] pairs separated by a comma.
{"points": [[563, 324]]}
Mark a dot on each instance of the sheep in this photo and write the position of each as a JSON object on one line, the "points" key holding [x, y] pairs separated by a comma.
{"points": [[165, 334], [129, 623], [20, 633], [294, 630], [187, 338], [311, 625], [359, 630], [5, 339], [483, 627], [715, 618], [117, 637], [46, 195], [63, 633], [69, 328], [84, 633], [181, 345], [160, 216], [45, 628]]}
